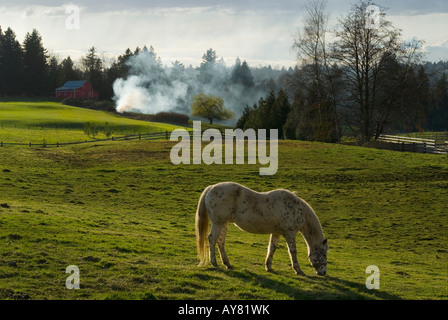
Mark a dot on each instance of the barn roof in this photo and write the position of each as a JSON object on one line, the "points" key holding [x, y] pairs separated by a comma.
{"points": [[71, 85]]}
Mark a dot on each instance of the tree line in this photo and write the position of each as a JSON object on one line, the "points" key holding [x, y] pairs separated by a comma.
{"points": [[28, 68], [366, 82]]}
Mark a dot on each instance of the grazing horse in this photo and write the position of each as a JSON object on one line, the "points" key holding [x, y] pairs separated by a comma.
{"points": [[278, 212]]}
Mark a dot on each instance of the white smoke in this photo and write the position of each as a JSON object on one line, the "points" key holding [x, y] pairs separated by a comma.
{"points": [[151, 88], [147, 89], [131, 95]]}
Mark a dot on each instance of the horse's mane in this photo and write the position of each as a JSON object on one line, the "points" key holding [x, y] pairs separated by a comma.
{"points": [[314, 219]]}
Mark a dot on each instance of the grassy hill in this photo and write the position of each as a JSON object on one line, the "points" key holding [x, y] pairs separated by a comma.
{"points": [[124, 214], [35, 121]]}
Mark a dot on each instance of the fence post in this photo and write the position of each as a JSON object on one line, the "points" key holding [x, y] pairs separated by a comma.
{"points": [[30, 144], [57, 144], [166, 135], [1, 144], [139, 136]]}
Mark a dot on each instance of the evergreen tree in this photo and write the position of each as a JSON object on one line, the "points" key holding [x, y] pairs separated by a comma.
{"points": [[93, 70], [177, 71], [270, 113], [68, 73], [235, 74], [280, 111], [120, 67], [54, 74], [10, 64], [35, 68], [243, 118], [207, 65], [242, 75], [438, 115], [247, 79]]}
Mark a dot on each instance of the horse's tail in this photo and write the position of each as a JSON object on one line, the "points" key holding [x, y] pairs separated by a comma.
{"points": [[202, 227]]}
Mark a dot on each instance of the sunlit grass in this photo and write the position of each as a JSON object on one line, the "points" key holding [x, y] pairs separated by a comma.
{"points": [[51, 122], [124, 214]]}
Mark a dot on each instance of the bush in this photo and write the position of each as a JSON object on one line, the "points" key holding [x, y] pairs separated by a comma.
{"points": [[171, 117], [165, 117], [91, 129], [75, 102], [104, 105]]}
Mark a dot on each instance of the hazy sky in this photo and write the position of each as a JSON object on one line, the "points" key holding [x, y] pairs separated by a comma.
{"points": [[259, 31]]}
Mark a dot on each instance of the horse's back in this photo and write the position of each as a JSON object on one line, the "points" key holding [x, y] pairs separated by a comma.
{"points": [[275, 211]]}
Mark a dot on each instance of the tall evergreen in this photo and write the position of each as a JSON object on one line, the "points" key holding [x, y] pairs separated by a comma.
{"points": [[206, 68], [68, 71], [35, 68], [93, 70], [270, 113], [242, 75], [10, 64]]}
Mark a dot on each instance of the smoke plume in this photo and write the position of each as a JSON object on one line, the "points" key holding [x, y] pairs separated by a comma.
{"points": [[151, 87]]}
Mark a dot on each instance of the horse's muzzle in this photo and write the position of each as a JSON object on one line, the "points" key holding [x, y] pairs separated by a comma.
{"points": [[321, 272]]}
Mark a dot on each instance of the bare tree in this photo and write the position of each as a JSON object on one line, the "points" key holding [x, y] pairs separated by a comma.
{"points": [[365, 52], [310, 43], [313, 78]]}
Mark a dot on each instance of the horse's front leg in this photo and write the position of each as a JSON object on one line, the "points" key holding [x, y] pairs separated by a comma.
{"points": [[271, 249], [291, 241]]}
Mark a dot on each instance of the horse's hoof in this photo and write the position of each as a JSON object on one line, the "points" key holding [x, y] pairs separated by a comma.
{"points": [[229, 267], [300, 273]]}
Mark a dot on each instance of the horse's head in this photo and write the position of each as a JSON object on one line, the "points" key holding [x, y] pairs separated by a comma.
{"points": [[318, 257]]}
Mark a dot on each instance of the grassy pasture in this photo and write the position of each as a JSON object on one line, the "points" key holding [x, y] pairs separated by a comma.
{"points": [[124, 214], [34, 121]]}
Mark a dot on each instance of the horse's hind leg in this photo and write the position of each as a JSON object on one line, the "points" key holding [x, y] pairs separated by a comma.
{"points": [[291, 241], [212, 239], [271, 249], [222, 250]]}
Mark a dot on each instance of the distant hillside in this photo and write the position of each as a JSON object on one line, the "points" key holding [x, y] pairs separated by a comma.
{"points": [[33, 121]]}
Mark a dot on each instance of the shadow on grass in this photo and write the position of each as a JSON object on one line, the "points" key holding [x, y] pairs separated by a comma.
{"points": [[312, 287]]}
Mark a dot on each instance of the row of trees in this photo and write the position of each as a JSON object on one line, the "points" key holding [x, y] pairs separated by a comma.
{"points": [[29, 69], [269, 112], [364, 83]]}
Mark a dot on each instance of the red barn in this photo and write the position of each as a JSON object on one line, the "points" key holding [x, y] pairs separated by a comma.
{"points": [[76, 89]]}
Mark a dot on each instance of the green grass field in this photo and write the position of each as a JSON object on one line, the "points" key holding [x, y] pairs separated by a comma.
{"points": [[124, 214], [36, 121]]}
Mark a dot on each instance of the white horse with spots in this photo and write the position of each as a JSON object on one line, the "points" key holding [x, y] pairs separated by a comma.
{"points": [[278, 212]]}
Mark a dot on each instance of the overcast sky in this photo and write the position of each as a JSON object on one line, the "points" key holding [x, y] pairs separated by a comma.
{"points": [[259, 31]]}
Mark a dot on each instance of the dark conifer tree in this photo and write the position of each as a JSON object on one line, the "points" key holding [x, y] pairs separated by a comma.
{"points": [[10, 64], [35, 68]]}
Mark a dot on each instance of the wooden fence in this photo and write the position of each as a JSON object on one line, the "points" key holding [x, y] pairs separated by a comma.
{"points": [[401, 143], [140, 136]]}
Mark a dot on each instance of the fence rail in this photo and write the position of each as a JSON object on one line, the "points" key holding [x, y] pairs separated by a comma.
{"points": [[400, 143], [140, 136]]}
